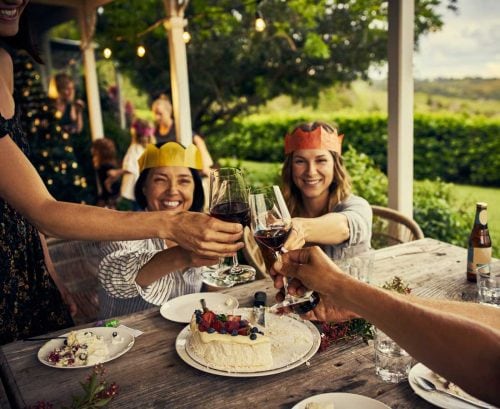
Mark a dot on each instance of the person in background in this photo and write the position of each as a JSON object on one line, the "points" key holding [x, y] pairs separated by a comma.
{"points": [[135, 275], [317, 189], [104, 161], [458, 340], [165, 130], [142, 134], [30, 303], [69, 110]]}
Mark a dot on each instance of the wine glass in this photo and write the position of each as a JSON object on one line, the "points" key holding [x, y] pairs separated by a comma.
{"points": [[271, 225], [229, 202]]}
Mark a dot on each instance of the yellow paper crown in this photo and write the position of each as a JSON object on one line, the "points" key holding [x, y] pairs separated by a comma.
{"points": [[170, 154], [318, 138]]}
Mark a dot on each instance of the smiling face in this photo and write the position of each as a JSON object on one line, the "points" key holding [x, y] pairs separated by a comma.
{"points": [[312, 173], [169, 188], [10, 12]]}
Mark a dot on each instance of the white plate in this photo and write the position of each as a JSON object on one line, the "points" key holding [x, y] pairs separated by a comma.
{"points": [[181, 309], [115, 349], [343, 401], [439, 399], [289, 355]]}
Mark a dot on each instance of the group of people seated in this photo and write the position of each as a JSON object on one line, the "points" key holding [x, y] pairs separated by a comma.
{"points": [[156, 254]]}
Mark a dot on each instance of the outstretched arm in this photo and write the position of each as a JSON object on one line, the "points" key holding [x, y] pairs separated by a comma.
{"points": [[23, 189], [448, 343]]}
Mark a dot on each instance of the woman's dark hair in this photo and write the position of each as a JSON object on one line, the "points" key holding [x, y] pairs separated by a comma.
{"points": [[24, 39], [198, 195]]}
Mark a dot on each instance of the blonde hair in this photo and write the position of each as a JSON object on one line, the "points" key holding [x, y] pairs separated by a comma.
{"points": [[339, 189], [164, 102]]}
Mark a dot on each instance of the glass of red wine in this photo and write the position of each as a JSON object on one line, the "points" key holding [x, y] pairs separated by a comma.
{"points": [[271, 224], [229, 202]]}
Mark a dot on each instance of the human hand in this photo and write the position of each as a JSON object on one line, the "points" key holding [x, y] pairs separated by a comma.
{"points": [[313, 269], [296, 238], [205, 235], [79, 105], [196, 260]]}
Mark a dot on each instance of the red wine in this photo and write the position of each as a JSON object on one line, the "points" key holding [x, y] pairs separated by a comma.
{"points": [[304, 306], [236, 212], [273, 238]]}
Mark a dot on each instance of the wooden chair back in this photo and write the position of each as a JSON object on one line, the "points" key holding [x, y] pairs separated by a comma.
{"points": [[77, 264], [392, 227]]}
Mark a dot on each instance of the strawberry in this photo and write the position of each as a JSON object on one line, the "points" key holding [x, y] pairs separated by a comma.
{"points": [[232, 325], [236, 318], [209, 317], [243, 331], [217, 325]]}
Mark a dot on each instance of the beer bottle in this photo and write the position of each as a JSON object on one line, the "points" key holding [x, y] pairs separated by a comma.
{"points": [[479, 248]]}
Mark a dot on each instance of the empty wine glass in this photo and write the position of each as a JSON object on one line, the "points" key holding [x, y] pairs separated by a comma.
{"points": [[229, 202], [271, 225]]}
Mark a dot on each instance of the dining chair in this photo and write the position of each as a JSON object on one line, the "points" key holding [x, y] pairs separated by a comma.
{"points": [[253, 255], [76, 262], [392, 227]]}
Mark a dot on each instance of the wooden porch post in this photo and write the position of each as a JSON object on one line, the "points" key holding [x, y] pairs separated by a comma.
{"points": [[86, 21], [178, 70], [400, 109]]}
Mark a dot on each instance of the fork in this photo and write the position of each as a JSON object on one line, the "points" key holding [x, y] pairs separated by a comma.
{"points": [[430, 387]]}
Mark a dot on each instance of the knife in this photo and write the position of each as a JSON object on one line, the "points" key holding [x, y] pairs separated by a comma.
{"points": [[259, 307]]}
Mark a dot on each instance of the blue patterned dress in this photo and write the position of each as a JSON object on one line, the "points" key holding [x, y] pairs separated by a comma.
{"points": [[30, 303]]}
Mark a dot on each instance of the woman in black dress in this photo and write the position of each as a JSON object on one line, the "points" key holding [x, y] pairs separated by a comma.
{"points": [[29, 301]]}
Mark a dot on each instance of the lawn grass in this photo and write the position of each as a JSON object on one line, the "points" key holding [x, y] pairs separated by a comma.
{"points": [[467, 196]]}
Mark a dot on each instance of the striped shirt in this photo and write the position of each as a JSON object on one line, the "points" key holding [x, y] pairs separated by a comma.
{"points": [[120, 265]]}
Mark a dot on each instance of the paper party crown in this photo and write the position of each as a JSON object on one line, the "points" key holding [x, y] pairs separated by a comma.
{"points": [[170, 154], [318, 138]]}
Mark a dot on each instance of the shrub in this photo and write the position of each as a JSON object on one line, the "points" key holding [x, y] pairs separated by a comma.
{"points": [[452, 148]]}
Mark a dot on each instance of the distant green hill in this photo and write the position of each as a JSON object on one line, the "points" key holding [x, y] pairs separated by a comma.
{"points": [[466, 97]]}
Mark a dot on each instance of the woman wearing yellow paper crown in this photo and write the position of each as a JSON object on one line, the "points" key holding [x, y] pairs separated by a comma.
{"points": [[317, 189], [139, 274]]}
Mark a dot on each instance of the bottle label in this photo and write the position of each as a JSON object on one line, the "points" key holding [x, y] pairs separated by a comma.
{"points": [[483, 217], [477, 257]]}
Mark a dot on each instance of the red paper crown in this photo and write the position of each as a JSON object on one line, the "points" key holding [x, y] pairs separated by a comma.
{"points": [[318, 138]]}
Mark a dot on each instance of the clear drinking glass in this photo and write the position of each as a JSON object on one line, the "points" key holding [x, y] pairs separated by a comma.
{"points": [[488, 285], [271, 225], [229, 202], [392, 363]]}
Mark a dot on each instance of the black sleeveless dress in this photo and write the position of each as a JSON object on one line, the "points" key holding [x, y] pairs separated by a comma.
{"points": [[30, 303]]}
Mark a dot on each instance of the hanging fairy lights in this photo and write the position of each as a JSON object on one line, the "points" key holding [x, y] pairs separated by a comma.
{"points": [[107, 53], [260, 23], [141, 51]]}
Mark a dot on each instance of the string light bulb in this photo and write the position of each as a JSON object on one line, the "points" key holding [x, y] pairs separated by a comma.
{"points": [[107, 53], [141, 51], [260, 23], [186, 36]]}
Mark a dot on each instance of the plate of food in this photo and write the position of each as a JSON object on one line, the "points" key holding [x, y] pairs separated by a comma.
{"points": [[340, 400], [85, 348], [442, 400], [180, 309], [237, 346]]}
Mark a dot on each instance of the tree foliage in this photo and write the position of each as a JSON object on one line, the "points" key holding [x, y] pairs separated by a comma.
{"points": [[306, 46]]}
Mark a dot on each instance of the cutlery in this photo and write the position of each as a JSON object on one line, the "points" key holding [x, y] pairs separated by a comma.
{"points": [[43, 338], [430, 387]]}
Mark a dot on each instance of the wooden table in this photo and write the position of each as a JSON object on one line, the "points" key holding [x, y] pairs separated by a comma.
{"points": [[151, 374]]}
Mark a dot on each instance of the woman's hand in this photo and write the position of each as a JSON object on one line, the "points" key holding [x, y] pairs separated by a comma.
{"points": [[205, 235], [296, 238]]}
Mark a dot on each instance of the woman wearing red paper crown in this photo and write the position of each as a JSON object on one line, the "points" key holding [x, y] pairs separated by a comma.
{"points": [[139, 274], [317, 189]]}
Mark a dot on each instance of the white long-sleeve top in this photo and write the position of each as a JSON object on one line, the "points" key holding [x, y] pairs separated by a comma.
{"points": [[120, 266]]}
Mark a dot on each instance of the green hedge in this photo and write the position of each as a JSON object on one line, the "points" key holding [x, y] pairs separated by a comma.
{"points": [[452, 148]]}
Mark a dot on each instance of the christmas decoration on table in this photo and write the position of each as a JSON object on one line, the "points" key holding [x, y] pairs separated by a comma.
{"points": [[332, 332], [98, 393], [52, 148]]}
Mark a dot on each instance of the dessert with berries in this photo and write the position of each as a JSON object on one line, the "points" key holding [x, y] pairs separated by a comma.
{"points": [[81, 348], [229, 342]]}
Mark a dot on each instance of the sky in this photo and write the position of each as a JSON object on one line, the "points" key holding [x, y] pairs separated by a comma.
{"points": [[467, 46]]}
